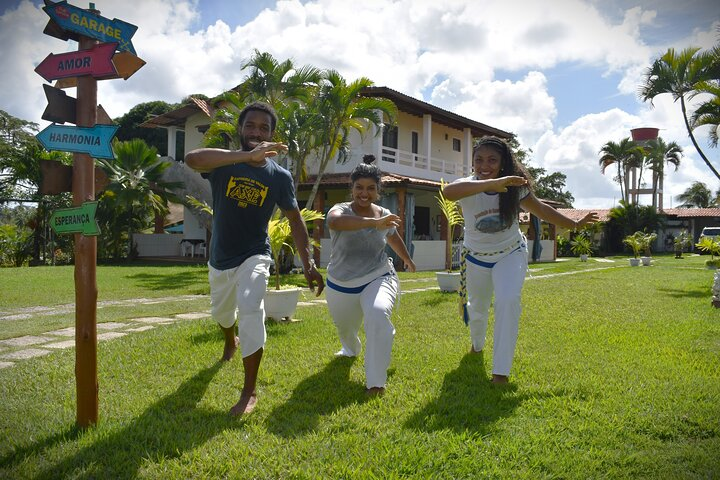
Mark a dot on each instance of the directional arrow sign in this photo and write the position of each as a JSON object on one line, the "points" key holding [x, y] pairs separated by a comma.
{"points": [[94, 141], [125, 64], [76, 220], [73, 19], [95, 61], [61, 107]]}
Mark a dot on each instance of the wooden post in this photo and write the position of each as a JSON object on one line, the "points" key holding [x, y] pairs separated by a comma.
{"points": [[83, 184]]}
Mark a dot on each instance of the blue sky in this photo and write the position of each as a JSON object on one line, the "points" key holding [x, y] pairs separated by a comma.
{"points": [[561, 74]]}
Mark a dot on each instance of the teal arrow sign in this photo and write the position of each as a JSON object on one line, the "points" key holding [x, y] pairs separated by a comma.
{"points": [[71, 18], [76, 220], [94, 141]]}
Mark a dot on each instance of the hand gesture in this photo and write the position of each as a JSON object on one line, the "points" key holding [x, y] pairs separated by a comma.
{"points": [[265, 150], [388, 221], [314, 279], [591, 217], [409, 266], [501, 184]]}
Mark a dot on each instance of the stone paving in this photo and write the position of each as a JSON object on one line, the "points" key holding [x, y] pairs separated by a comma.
{"points": [[13, 350]]}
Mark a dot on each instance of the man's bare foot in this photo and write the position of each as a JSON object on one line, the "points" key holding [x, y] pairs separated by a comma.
{"points": [[230, 349], [499, 379], [375, 391], [245, 405]]}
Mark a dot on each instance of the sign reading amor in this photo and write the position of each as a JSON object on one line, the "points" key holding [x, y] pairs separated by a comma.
{"points": [[95, 141], [96, 61]]}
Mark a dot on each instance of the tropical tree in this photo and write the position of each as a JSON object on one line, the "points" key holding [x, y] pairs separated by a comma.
{"points": [[708, 113], [698, 195], [625, 155], [658, 153], [681, 74], [135, 194], [130, 124], [343, 108], [627, 218], [19, 169]]}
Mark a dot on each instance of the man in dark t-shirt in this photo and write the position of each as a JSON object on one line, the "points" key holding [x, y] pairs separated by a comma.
{"points": [[246, 186]]}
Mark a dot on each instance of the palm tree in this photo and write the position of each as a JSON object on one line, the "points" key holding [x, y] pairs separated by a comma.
{"points": [[680, 74], [698, 195], [136, 190], [658, 154], [708, 113], [626, 155], [343, 109]]}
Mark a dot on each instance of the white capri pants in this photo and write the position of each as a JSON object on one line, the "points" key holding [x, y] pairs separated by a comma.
{"points": [[374, 305], [237, 294], [506, 278]]}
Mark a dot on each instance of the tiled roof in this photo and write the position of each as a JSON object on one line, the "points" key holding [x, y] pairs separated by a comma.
{"points": [[692, 212], [178, 116]]}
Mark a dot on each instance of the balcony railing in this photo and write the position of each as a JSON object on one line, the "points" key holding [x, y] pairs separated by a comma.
{"points": [[413, 164]]}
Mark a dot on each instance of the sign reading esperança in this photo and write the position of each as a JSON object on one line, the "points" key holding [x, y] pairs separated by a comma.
{"points": [[76, 220], [94, 141], [74, 19]]}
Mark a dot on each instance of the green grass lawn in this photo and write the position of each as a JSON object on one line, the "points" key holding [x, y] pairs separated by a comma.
{"points": [[617, 375]]}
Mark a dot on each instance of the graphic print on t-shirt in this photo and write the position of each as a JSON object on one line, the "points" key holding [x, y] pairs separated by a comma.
{"points": [[246, 191], [489, 221]]}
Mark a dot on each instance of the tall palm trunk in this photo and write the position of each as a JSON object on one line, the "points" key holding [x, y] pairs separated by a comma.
{"points": [[692, 138]]}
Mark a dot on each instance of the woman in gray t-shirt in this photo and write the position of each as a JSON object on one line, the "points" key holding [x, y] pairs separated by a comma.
{"points": [[361, 281]]}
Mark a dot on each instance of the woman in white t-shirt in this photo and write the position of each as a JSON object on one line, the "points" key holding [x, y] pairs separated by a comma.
{"points": [[362, 283], [494, 249]]}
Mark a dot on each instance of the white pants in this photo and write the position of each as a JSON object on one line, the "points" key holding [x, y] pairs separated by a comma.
{"points": [[237, 294], [374, 305], [506, 278]]}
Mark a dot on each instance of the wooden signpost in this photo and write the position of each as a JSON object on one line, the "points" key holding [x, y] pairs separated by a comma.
{"points": [[86, 140]]}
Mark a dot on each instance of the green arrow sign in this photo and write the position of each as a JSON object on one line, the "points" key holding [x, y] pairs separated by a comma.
{"points": [[76, 220]]}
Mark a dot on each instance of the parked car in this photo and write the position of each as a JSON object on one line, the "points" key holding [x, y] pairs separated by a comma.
{"points": [[713, 232]]}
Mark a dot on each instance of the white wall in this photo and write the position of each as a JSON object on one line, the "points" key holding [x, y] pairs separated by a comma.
{"points": [[158, 244]]}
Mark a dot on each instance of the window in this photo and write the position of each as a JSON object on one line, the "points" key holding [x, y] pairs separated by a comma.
{"points": [[390, 140], [421, 220], [414, 141], [456, 144]]}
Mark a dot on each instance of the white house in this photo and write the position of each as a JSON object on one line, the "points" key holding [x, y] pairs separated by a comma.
{"points": [[426, 145]]}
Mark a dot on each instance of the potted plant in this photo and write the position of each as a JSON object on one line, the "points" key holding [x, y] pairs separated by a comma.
{"points": [[581, 246], [647, 240], [448, 281], [711, 245], [280, 303], [635, 243], [681, 241]]}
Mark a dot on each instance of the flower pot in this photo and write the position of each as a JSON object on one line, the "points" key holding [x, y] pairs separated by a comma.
{"points": [[634, 262], [281, 304], [646, 261], [583, 257], [448, 281]]}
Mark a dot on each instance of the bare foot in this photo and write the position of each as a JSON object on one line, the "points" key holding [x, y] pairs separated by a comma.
{"points": [[230, 349], [375, 391], [499, 379], [245, 405]]}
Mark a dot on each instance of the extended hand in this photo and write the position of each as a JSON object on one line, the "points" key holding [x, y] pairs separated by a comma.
{"points": [[265, 150], [591, 217], [314, 279], [501, 184], [410, 266], [388, 221]]}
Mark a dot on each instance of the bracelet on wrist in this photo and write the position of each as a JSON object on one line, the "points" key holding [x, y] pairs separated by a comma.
{"points": [[311, 265]]}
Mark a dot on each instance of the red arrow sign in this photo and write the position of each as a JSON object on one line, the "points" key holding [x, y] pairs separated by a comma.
{"points": [[125, 65], [96, 61]]}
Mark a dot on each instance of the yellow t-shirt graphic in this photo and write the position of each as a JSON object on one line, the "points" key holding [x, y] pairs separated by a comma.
{"points": [[246, 191]]}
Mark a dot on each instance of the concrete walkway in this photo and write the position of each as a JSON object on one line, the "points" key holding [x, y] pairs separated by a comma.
{"points": [[14, 350]]}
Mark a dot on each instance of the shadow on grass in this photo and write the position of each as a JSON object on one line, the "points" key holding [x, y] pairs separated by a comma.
{"points": [[685, 293], [468, 401], [321, 394], [168, 282], [165, 430]]}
